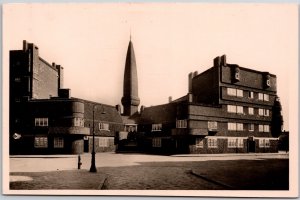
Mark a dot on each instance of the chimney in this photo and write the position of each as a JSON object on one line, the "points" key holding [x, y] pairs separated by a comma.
{"points": [[217, 62], [60, 73], [223, 60], [170, 99], [195, 74], [25, 45], [190, 82]]}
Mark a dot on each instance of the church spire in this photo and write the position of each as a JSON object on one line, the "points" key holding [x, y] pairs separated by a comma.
{"points": [[130, 99]]}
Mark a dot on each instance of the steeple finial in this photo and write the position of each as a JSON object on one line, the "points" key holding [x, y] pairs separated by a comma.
{"points": [[130, 35]]}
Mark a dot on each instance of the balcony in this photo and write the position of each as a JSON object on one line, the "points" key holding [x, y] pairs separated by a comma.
{"points": [[70, 130], [199, 131]]}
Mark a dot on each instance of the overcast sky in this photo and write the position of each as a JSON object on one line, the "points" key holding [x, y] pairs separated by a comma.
{"points": [[170, 40]]}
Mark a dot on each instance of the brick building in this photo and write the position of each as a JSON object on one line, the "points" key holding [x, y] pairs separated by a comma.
{"points": [[228, 109], [44, 118]]}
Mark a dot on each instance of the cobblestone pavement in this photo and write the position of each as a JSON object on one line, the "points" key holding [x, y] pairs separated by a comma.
{"points": [[138, 171]]}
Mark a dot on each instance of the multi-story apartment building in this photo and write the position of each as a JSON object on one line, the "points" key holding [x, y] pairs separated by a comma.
{"points": [[227, 109], [44, 118]]}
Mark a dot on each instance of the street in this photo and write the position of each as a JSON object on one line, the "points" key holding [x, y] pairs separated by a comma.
{"points": [[153, 172]]}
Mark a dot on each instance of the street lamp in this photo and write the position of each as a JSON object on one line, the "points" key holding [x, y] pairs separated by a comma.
{"points": [[93, 162]]}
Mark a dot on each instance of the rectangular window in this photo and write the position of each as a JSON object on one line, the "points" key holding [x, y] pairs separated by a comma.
{"points": [[78, 122], [266, 112], [267, 143], [130, 128], [240, 142], [239, 93], [266, 97], [212, 125], [266, 128], [17, 79], [239, 127], [232, 143], [231, 108], [251, 127], [239, 109], [58, 142], [156, 127], [104, 126], [231, 91], [41, 121], [251, 95], [40, 142], [212, 142], [260, 96], [261, 112], [199, 142], [251, 111], [264, 143], [181, 123], [261, 128], [231, 126], [235, 143], [104, 142], [156, 142]]}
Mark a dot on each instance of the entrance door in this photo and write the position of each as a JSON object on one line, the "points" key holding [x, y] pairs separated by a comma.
{"points": [[86, 145], [251, 146]]}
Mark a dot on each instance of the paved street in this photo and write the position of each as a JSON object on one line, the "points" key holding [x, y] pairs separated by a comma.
{"points": [[138, 171]]}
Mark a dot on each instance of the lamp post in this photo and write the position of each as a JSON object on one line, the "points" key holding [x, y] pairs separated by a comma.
{"points": [[93, 164]]}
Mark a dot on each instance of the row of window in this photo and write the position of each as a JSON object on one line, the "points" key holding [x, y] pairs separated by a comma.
{"points": [[58, 142], [240, 110], [41, 121], [181, 123], [156, 127], [42, 142], [232, 126], [75, 122], [240, 93], [231, 143], [212, 125]]}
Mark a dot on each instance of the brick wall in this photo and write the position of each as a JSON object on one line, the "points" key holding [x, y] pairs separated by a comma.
{"points": [[205, 86], [248, 78]]}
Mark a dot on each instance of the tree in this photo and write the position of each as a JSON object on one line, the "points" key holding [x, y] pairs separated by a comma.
{"points": [[277, 120]]}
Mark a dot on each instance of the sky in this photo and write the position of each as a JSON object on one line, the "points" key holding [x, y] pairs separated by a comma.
{"points": [[170, 41]]}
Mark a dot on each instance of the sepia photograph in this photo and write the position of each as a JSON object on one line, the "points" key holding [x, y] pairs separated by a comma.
{"points": [[150, 99]]}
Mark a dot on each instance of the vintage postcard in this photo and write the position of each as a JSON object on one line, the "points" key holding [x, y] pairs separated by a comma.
{"points": [[150, 99]]}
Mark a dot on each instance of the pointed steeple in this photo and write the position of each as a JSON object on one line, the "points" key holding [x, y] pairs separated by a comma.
{"points": [[130, 99]]}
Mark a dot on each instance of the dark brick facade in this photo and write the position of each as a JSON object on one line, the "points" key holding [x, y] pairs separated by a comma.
{"points": [[209, 101], [227, 109], [45, 119]]}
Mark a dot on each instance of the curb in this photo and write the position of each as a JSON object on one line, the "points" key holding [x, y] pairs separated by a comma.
{"points": [[227, 155]]}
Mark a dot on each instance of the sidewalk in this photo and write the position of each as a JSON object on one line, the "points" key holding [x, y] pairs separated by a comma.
{"points": [[284, 154]]}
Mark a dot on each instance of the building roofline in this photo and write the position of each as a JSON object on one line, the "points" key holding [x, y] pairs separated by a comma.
{"points": [[243, 68], [44, 61]]}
